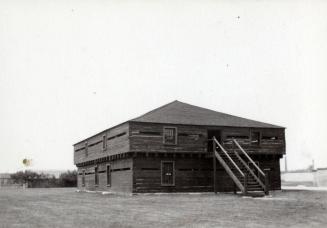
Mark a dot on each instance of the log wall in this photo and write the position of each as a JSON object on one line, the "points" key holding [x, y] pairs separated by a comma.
{"points": [[117, 140], [121, 176], [193, 174], [148, 137]]}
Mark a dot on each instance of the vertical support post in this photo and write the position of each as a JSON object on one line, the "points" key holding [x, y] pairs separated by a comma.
{"points": [[245, 183], [267, 182], [214, 165], [233, 146]]}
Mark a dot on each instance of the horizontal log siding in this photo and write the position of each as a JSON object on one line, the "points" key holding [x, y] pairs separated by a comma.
{"points": [[266, 146], [193, 174], [188, 142], [190, 138], [115, 145], [272, 163], [121, 180]]}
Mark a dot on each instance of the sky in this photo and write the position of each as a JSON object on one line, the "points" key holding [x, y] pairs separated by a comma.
{"points": [[70, 69]]}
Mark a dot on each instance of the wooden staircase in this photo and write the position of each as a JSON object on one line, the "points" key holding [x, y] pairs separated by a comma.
{"points": [[253, 182]]}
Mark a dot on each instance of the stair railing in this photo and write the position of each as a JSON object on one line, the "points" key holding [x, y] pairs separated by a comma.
{"points": [[241, 186], [250, 170], [266, 185]]}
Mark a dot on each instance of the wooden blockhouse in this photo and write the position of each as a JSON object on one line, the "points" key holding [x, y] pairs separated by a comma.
{"points": [[182, 148]]}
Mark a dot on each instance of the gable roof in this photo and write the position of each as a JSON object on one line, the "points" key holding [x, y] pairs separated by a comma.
{"points": [[178, 112]]}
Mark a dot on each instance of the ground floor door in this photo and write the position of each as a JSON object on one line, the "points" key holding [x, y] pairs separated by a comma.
{"points": [[167, 173]]}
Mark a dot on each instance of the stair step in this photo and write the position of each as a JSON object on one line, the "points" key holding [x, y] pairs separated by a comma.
{"points": [[255, 194], [236, 164], [254, 189], [253, 183]]}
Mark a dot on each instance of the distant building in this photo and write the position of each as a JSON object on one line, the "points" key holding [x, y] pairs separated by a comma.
{"points": [[306, 177], [321, 177], [5, 180], [298, 177], [182, 148]]}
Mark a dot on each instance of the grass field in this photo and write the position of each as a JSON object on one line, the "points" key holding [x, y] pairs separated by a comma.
{"points": [[67, 208]]}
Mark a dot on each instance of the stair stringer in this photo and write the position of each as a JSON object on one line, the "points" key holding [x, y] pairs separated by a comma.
{"points": [[229, 172]]}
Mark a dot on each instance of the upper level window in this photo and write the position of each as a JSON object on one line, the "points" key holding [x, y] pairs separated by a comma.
{"points": [[255, 137], [86, 149], [104, 142], [170, 135]]}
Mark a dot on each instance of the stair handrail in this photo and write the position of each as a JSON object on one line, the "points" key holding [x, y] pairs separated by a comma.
{"points": [[250, 171], [230, 159], [249, 158]]}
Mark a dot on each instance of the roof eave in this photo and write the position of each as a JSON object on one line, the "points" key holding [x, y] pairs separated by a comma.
{"points": [[204, 125]]}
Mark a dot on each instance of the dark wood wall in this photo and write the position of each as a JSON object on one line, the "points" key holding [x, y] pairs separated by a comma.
{"points": [[193, 171], [121, 176], [272, 140], [148, 137], [193, 174], [117, 140], [145, 137]]}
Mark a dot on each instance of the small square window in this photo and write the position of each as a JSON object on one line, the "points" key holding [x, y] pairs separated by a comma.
{"points": [[170, 135]]}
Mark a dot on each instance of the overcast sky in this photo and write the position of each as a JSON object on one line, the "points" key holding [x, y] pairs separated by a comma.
{"points": [[69, 69]]}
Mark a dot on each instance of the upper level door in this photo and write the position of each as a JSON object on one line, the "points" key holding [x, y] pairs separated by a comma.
{"points": [[211, 134]]}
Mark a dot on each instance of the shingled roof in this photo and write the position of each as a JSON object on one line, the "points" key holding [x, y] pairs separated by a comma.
{"points": [[178, 112]]}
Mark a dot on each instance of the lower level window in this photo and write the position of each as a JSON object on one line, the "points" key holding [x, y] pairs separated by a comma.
{"points": [[108, 175], [96, 176], [167, 173], [83, 178]]}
